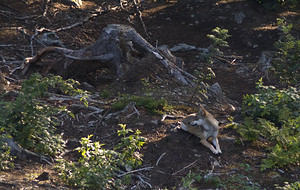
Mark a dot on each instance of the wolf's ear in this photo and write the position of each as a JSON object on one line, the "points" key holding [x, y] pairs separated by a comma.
{"points": [[202, 111]]}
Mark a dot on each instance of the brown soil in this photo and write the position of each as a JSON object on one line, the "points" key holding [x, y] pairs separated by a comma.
{"points": [[167, 23]]}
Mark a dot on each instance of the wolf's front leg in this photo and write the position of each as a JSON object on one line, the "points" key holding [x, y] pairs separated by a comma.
{"points": [[215, 141], [208, 145]]}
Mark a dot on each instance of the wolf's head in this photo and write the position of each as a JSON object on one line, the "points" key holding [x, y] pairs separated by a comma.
{"points": [[207, 117]]}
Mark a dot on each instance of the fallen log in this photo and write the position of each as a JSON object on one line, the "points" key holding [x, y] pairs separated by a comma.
{"points": [[24, 154], [119, 48]]}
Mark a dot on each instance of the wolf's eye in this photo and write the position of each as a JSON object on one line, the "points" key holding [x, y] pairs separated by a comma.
{"points": [[193, 123]]}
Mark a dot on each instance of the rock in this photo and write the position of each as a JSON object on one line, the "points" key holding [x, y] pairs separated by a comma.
{"points": [[140, 124], [182, 47], [88, 86], [231, 108], [273, 175], [216, 89], [264, 62], [221, 18], [243, 71], [239, 17], [43, 177], [51, 39], [155, 122]]}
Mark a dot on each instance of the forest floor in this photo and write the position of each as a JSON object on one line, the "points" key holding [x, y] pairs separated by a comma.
{"points": [[169, 23]]}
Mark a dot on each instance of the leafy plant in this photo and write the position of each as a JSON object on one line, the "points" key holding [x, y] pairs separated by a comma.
{"points": [[130, 146], [218, 39], [189, 179], [287, 64], [6, 160], [274, 115], [235, 181], [290, 186], [105, 93], [287, 144], [97, 168], [30, 120], [240, 181]]}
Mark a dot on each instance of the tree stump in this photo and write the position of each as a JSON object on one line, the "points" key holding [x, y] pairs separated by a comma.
{"points": [[119, 48]]}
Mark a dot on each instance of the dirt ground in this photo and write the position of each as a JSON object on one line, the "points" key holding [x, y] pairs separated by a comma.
{"points": [[172, 152]]}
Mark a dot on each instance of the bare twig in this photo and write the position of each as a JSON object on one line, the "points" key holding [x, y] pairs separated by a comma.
{"points": [[31, 41], [58, 97], [134, 171], [157, 162], [95, 130], [6, 13], [191, 164], [141, 19], [135, 111], [89, 17], [217, 174], [46, 10], [8, 45], [11, 79], [144, 182], [130, 105]]}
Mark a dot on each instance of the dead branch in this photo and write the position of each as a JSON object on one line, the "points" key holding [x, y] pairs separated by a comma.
{"points": [[47, 2], [137, 170], [144, 183], [158, 160], [22, 153], [62, 98], [141, 19], [100, 122], [185, 167]]}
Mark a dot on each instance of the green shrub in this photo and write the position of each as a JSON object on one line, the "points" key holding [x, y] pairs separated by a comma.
{"points": [[274, 115], [30, 120], [272, 104], [97, 168], [287, 61]]}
